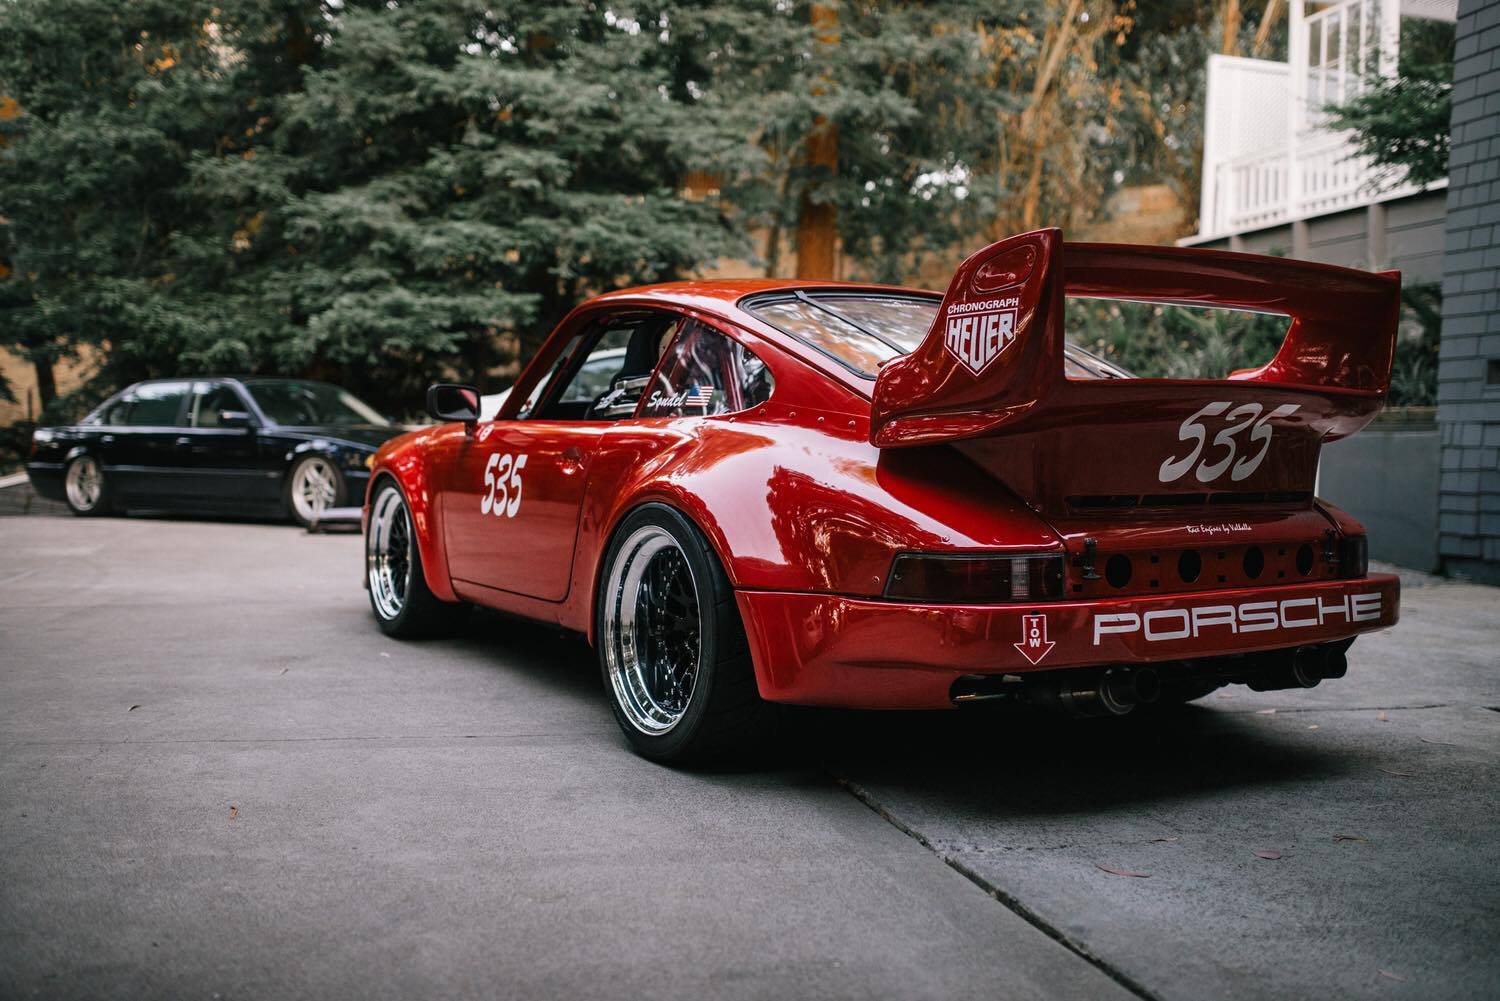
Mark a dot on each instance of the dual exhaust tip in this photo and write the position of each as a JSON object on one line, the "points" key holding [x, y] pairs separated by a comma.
{"points": [[1116, 691], [1111, 692], [1305, 667]]}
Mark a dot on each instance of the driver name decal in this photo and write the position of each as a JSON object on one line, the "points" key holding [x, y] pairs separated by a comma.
{"points": [[978, 331]]}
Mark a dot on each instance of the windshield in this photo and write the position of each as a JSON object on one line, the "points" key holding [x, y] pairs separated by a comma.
{"points": [[311, 404], [863, 331]]}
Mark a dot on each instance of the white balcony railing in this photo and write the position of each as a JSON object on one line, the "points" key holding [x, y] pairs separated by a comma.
{"points": [[1268, 155]]}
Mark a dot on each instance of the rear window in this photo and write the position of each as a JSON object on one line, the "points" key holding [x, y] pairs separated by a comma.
{"points": [[1161, 340], [863, 332]]}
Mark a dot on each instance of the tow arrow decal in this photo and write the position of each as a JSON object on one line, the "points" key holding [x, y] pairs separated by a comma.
{"points": [[1034, 643]]}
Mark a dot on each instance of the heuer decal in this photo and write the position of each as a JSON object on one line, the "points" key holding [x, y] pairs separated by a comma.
{"points": [[978, 331], [1034, 643], [1250, 617]]}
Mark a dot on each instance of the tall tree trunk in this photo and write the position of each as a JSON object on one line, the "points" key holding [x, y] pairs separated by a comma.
{"points": [[46, 382], [1231, 44], [1055, 45], [817, 222], [1267, 22]]}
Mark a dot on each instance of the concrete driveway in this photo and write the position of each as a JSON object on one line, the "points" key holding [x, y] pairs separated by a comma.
{"points": [[218, 778]]}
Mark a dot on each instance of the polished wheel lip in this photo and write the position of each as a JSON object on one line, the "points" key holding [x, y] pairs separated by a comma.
{"points": [[633, 653], [314, 481], [388, 554], [84, 482]]}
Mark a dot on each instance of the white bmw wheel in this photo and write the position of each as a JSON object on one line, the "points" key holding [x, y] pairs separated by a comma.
{"points": [[314, 486], [84, 485]]}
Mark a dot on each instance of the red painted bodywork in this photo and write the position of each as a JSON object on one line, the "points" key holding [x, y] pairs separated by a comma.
{"points": [[808, 498]]}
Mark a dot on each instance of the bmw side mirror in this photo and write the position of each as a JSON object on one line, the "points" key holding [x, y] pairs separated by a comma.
{"points": [[449, 401], [235, 419]]}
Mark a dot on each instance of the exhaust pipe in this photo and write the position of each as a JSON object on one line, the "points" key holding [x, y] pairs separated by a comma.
{"points": [[1303, 668], [1115, 692]]}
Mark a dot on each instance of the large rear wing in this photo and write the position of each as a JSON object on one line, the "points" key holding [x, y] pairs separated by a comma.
{"points": [[995, 353], [991, 367]]}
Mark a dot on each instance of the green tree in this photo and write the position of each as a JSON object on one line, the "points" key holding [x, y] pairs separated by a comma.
{"points": [[1400, 123], [91, 160], [383, 192]]}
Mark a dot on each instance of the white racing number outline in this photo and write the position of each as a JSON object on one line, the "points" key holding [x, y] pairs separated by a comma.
{"points": [[502, 485], [1246, 415]]}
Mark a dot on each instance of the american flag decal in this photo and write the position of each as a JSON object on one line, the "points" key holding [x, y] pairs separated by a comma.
{"points": [[698, 396]]}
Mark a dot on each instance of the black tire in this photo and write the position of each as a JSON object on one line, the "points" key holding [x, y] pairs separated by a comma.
{"points": [[93, 499], [724, 715], [404, 605], [299, 507]]}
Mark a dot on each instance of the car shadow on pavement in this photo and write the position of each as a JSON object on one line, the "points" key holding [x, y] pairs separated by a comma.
{"points": [[547, 654], [1015, 761], [1021, 763]]}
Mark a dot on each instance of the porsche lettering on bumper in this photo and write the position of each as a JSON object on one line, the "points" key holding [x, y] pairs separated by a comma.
{"points": [[1163, 624]]}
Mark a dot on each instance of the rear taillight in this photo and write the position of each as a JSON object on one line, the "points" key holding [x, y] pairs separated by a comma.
{"points": [[975, 579], [1354, 556]]}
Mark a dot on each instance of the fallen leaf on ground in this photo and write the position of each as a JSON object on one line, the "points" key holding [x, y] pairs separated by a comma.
{"points": [[1405, 775], [1383, 717], [1445, 743], [1122, 872], [1393, 976], [384, 654], [1347, 837], [1270, 855], [282, 671], [1265, 712], [234, 811], [1154, 840], [1313, 726], [133, 708]]}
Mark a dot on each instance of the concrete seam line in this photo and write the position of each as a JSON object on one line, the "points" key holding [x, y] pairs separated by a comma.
{"points": [[1007, 900]]}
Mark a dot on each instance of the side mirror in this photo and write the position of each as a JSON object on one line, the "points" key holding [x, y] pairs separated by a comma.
{"points": [[235, 419], [448, 401]]}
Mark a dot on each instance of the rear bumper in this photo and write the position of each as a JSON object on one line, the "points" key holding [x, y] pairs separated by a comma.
{"points": [[820, 649]]}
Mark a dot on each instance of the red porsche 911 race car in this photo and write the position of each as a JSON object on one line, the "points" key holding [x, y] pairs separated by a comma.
{"points": [[835, 494]]}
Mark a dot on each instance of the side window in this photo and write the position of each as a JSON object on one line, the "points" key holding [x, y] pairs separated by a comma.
{"points": [[210, 400], [540, 389], [707, 373], [117, 414], [158, 405], [606, 382]]}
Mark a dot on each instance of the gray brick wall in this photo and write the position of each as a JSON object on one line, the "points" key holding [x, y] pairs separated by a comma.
{"points": [[1469, 365]]}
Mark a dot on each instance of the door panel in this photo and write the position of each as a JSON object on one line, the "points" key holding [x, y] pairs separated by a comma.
{"points": [[511, 501], [514, 490], [145, 445], [214, 464]]}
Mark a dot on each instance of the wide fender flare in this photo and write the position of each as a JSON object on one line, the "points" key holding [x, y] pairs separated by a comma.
{"points": [[406, 462], [789, 508]]}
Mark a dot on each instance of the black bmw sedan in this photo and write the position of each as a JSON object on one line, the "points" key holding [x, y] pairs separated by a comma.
{"points": [[214, 445]]}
